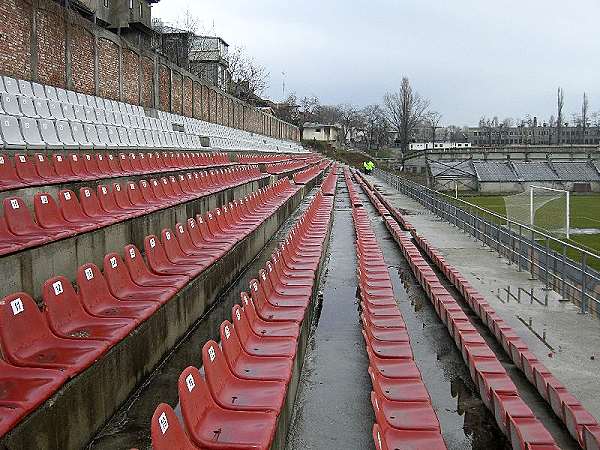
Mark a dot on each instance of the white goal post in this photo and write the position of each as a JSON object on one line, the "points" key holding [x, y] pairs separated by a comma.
{"points": [[533, 209]]}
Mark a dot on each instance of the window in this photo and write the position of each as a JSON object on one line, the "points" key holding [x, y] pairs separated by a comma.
{"points": [[317, 130], [130, 4], [106, 3], [141, 10]]}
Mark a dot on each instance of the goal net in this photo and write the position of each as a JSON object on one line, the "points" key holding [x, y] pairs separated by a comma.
{"points": [[542, 207]]}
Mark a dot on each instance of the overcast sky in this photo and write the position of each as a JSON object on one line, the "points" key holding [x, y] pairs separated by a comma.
{"points": [[470, 58]]}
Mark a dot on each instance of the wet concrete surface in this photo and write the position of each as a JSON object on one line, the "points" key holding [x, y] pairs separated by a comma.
{"points": [[465, 421], [130, 426], [333, 407]]}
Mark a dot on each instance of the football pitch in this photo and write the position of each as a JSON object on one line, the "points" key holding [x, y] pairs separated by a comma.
{"points": [[585, 214]]}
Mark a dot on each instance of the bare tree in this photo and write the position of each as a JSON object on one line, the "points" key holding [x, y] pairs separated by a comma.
{"points": [[489, 126], [405, 109], [433, 118], [375, 126], [248, 78], [560, 102]]}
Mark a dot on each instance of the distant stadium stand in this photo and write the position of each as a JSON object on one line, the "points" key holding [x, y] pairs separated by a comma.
{"points": [[494, 171], [534, 171]]}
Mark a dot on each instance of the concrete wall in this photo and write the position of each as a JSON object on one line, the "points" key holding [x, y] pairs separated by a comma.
{"points": [[44, 42]]}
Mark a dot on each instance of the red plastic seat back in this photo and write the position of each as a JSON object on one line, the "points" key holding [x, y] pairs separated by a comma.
{"points": [[194, 397], [8, 173], [120, 197], [92, 286], [91, 164], [135, 262], [77, 166], [116, 273], [18, 217], [216, 371], [63, 305], [136, 165], [146, 192], [103, 164], [167, 433], [232, 347], [21, 324], [44, 166], [113, 164], [107, 200], [125, 163], [26, 169], [62, 167], [47, 212], [240, 323], [90, 204], [135, 195]]}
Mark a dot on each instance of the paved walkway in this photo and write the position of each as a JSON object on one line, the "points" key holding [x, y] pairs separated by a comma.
{"points": [[575, 338], [333, 406]]}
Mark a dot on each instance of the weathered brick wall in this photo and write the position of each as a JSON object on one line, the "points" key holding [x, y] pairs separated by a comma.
{"points": [[188, 96], [147, 88], [15, 38], [176, 88], [33, 36], [164, 90], [50, 46], [108, 69], [205, 103], [197, 107], [82, 50], [131, 77]]}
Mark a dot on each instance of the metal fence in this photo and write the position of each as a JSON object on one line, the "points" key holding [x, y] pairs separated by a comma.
{"points": [[568, 269]]}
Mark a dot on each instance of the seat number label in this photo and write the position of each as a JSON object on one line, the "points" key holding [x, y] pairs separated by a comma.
{"points": [[17, 306], [58, 288]]}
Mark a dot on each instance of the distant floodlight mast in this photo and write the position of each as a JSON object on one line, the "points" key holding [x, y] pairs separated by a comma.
{"points": [[533, 209]]}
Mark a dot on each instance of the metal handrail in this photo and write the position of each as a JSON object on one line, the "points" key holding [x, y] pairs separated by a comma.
{"points": [[516, 241]]}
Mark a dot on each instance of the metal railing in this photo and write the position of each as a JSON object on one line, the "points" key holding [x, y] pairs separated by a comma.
{"points": [[566, 268]]}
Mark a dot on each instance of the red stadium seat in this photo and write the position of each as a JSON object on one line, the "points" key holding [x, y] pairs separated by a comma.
{"points": [[262, 327], [27, 340], [203, 416], [142, 276], [166, 431], [49, 217], [234, 393]]}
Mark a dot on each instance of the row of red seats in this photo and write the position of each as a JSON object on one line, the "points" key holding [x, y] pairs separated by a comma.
{"points": [[236, 404], [330, 182], [262, 159], [354, 197], [36, 170], [287, 166], [405, 417], [310, 173], [42, 349], [71, 215], [580, 423], [498, 392]]}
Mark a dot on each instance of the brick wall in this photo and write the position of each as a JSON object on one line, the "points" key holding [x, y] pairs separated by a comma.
{"points": [[164, 91], [82, 50], [97, 61], [176, 88], [51, 67], [15, 38], [188, 97], [108, 69], [197, 112], [147, 88], [131, 77]]}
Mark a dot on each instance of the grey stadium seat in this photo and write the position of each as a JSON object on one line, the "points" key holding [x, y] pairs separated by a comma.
{"points": [[126, 121], [108, 104], [123, 137], [150, 139], [51, 93], [118, 119], [31, 133], [79, 113], [41, 108], [11, 134], [129, 109], [62, 95], [113, 136], [134, 120], [38, 90], [139, 133], [100, 116], [81, 99], [48, 133], [91, 133], [72, 97], [110, 117], [56, 110], [159, 138], [11, 86], [79, 135], [26, 106], [10, 104], [67, 110], [90, 114], [63, 131], [25, 88], [146, 123], [103, 135], [122, 108], [132, 138]]}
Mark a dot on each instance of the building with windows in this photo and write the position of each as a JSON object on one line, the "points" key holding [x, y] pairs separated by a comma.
{"points": [[321, 132], [534, 135], [129, 18]]}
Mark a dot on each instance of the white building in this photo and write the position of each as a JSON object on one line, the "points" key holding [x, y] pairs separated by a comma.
{"points": [[321, 132], [416, 146]]}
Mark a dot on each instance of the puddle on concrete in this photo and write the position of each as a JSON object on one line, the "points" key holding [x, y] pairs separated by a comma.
{"points": [[130, 426]]}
